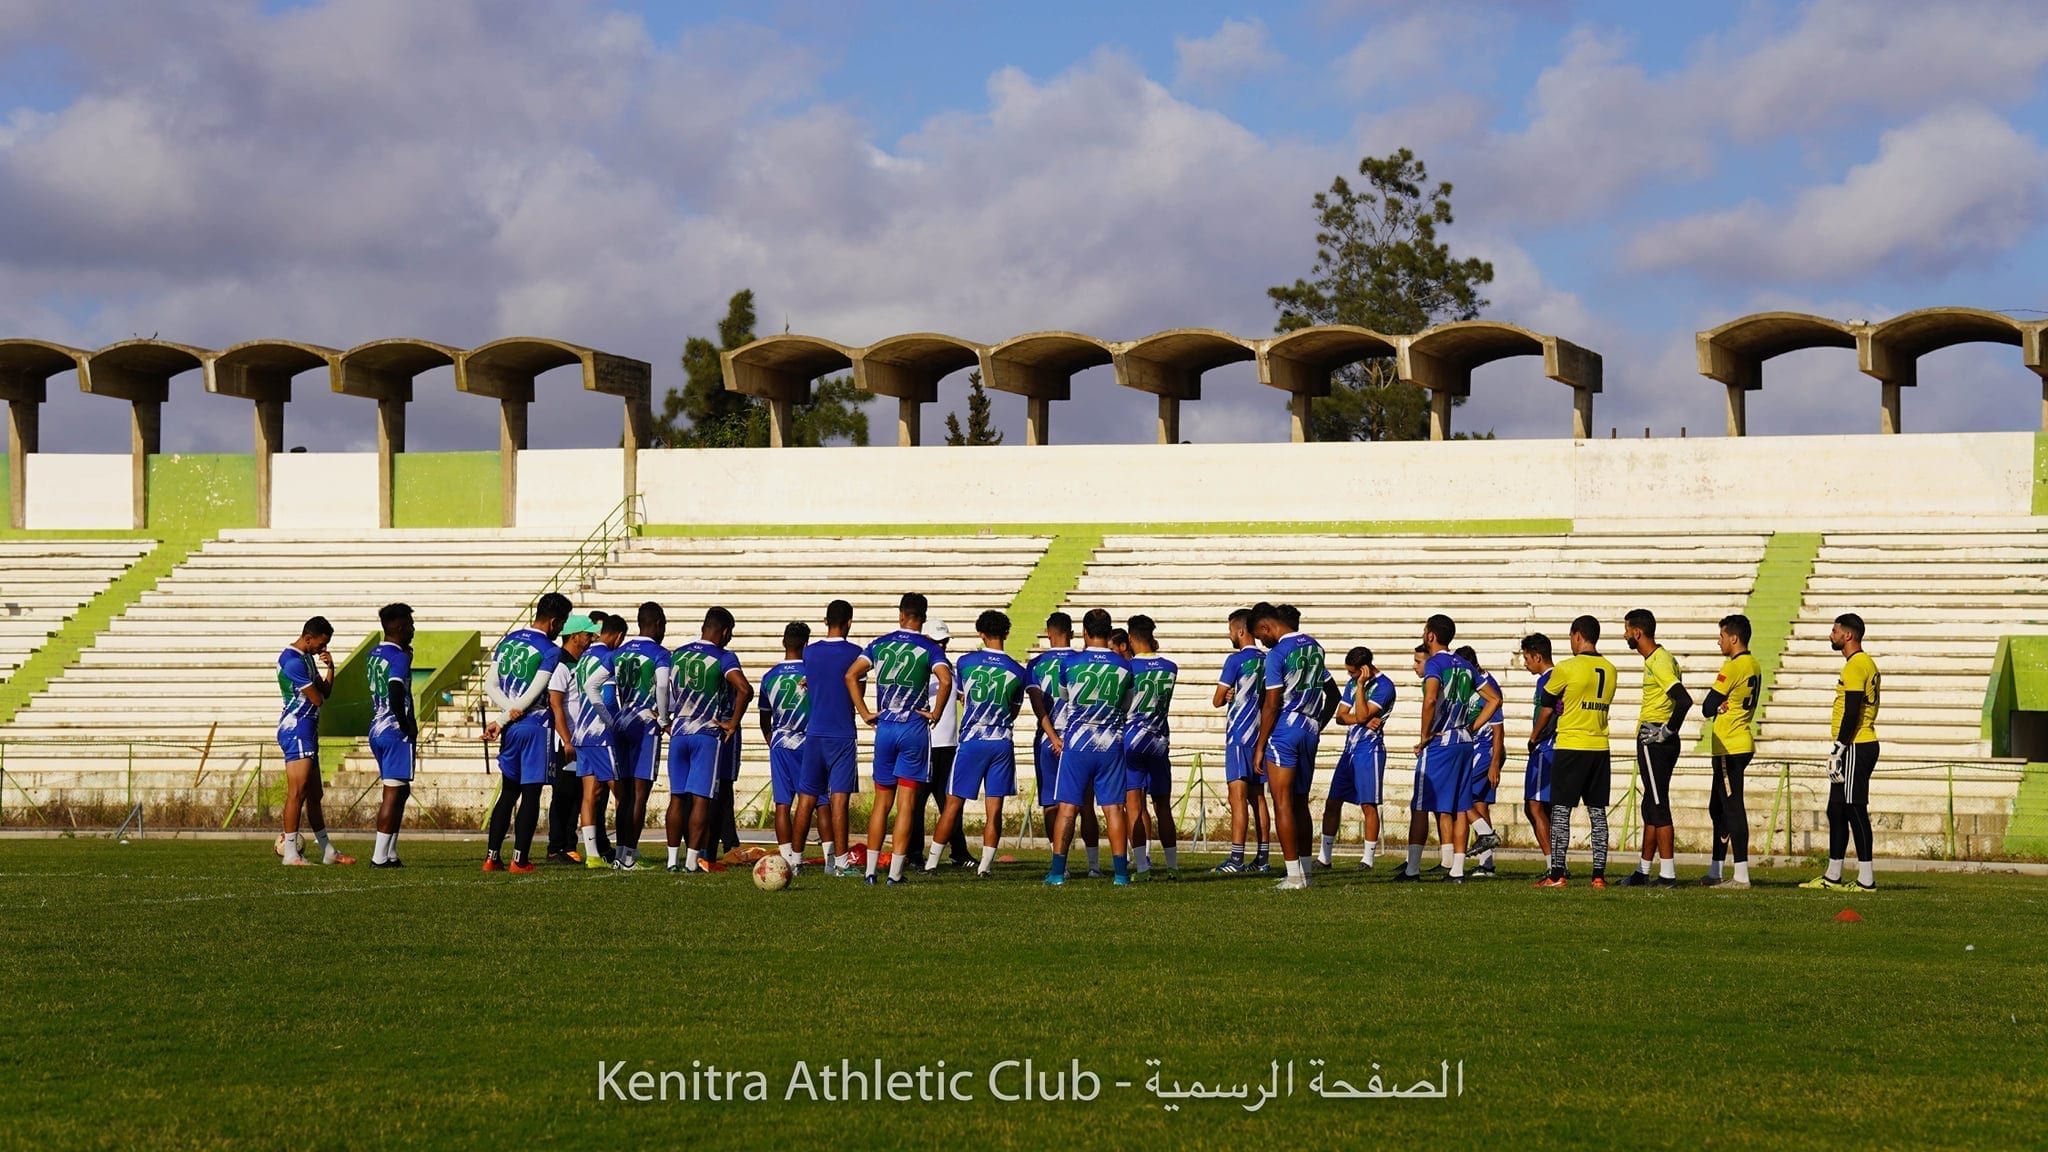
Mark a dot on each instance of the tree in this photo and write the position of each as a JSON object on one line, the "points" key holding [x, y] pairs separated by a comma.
{"points": [[702, 414], [980, 429], [1379, 265]]}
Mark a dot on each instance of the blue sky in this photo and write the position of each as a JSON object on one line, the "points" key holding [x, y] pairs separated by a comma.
{"points": [[351, 169]]}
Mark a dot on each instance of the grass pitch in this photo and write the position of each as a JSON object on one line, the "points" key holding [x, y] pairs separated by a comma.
{"points": [[173, 994]]}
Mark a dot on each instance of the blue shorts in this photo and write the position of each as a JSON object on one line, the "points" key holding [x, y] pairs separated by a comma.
{"points": [[1099, 768], [594, 759], [1536, 778], [1479, 788], [1294, 748], [1148, 772], [1046, 764], [393, 754], [984, 763], [1237, 761], [831, 764], [1440, 777], [693, 763], [903, 753], [1361, 774], [633, 752], [523, 752], [300, 743], [785, 765]]}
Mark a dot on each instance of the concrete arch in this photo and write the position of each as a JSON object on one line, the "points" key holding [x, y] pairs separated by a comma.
{"points": [[139, 371], [25, 370], [1734, 353], [1302, 362], [1890, 350], [779, 369], [384, 371], [1040, 367], [1442, 358], [505, 371], [909, 367], [261, 371], [1170, 365]]}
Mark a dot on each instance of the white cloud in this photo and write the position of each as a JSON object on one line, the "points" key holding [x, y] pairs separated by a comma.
{"points": [[1952, 187], [1235, 51]]}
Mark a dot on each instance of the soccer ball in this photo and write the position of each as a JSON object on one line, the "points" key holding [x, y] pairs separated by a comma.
{"points": [[771, 873]]}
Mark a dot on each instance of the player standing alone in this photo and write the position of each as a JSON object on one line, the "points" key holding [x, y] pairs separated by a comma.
{"points": [[1582, 690], [1852, 760], [1361, 774], [394, 729], [1148, 744], [1731, 705], [298, 733], [1665, 703], [905, 662], [785, 711]]}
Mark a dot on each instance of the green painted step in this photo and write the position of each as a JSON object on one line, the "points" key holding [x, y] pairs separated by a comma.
{"points": [[2027, 834], [1773, 605], [1049, 585]]}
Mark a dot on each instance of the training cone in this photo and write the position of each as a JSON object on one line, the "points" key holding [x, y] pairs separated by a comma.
{"points": [[1848, 916]]}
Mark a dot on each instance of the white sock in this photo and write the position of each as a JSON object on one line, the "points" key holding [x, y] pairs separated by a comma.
{"points": [[874, 858], [787, 852], [1446, 854], [1094, 858], [589, 841], [383, 849], [896, 866], [825, 847], [1667, 868], [291, 846], [1742, 871], [988, 858], [844, 862], [1480, 826], [1866, 872], [1372, 848], [673, 853], [320, 834], [690, 860], [1172, 857], [931, 858], [1834, 870], [1329, 847], [1714, 870], [1486, 858], [1294, 871], [1457, 863], [1415, 860], [1643, 867]]}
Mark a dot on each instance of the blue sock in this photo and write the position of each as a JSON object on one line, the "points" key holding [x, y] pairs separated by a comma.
{"points": [[1121, 866], [1059, 864], [1260, 858], [1237, 853]]}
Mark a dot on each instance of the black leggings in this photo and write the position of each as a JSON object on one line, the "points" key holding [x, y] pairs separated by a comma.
{"points": [[528, 797], [1849, 804], [1731, 819]]}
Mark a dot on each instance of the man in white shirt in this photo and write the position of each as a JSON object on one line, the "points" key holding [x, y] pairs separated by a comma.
{"points": [[945, 745]]}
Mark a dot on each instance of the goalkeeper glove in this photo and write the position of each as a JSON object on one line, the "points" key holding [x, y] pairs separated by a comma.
{"points": [[1654, 733], [1838, 763]]}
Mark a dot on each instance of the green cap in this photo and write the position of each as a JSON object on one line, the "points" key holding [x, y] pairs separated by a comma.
{"points": [[578, 624]]}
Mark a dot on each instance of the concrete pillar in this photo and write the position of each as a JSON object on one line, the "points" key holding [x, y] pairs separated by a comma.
{"points": [[1038, 420], [390, 442], [1439, 414], [24, 427], [908, 415], [1169, 419], [1298, 409], [2044, 403], [639, 429], [1738, 410], [1582, 413], [511, 441], [1888, 417], [145, 439], [269, 442], [781, 423]]}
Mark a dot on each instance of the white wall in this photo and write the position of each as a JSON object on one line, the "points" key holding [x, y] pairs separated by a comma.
{"points": [[80, 490], [1785, 477], [569, 487], [323, 490]]}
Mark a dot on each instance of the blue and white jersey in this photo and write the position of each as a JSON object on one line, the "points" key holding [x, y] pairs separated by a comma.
{"points": [[294, 673], [638, 668], [991, 689], [903, 663], [1500, 715], [825, 665], [1378, 690], [1456, 688], [388, 662], [1044, 675], [1244, 673], [1295, 666], [524, 658], [701, 695], [1096, 684], [592, 702], [1547, 738], [1153, 678], [786, 701]]}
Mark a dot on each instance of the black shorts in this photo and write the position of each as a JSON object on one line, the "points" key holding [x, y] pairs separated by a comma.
{"points": [[1579, 776], [1855, 787], [1654, 764]]}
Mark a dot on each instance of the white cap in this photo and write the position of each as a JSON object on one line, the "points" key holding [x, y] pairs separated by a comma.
{"points": [[937, 630]]}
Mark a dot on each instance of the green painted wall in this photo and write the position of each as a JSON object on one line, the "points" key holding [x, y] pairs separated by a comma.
{"points": [[446, 490], [2027, 834], [2041, 473], [83, 629], [1193, 528], [194, 493], [2019, 683]]}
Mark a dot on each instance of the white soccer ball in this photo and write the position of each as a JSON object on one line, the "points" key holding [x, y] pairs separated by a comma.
{"points": [[771, 873]]}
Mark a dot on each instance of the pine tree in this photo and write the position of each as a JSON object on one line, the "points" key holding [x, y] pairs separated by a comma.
{"points": [[980, 428]]}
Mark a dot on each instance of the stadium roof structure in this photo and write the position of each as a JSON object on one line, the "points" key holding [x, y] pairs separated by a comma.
{"points": [[1888, 350], [1170, 365], [25, 370], [779, 369], [261, 371], [506, 369], [909, 367], [1303, 361], [1040, 367], [384, 371], [140, 372], [1442, 358]]}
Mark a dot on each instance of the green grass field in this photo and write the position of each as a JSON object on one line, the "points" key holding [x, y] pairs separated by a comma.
{"points": [[170, 994]]}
